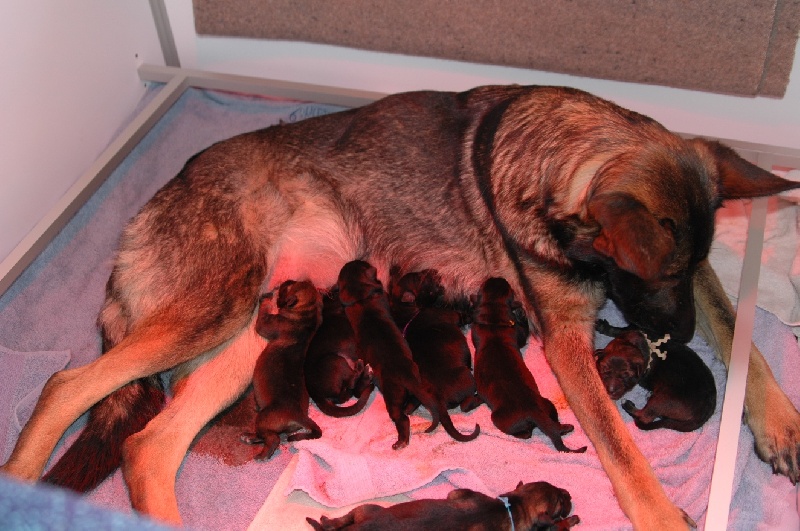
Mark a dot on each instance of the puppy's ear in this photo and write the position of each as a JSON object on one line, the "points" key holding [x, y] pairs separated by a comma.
{"points": [[630, 235], [518, 485], [394, 276], [372, 273], [638, 340], [739, 179], [290, 302]]}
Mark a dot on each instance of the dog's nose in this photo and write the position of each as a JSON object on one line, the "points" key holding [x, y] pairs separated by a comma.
{"points": [[616, 390], [682, 329]]}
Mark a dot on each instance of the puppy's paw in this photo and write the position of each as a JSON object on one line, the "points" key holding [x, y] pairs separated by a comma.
{"points": [[776, 428], [251, 438], [399, 445], [566, 523]]}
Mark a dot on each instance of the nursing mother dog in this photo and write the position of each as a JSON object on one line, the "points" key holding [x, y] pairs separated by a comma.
{"points": [[567, 196]]}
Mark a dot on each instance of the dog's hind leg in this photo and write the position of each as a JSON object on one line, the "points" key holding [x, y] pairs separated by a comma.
{"points": [[771, 416], [151, 458], [151, 347], [308, 429]]}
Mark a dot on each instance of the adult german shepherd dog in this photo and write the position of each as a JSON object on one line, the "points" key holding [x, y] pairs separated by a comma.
{"points": [[569, 197]]}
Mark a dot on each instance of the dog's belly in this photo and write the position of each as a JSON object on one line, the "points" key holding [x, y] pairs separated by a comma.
{"points": [[314, 246]]}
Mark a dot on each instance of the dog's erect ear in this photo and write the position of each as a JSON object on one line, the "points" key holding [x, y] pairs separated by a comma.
{"points": [[518, 485], [631, 235], [739, 179]]}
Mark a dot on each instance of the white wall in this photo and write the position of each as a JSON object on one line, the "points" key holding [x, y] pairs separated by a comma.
{"points": [[760, 120], [69, 82]]}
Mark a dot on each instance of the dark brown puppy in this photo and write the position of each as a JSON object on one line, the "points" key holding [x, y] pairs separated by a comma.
{"points": [[683, 394], [530, 506], [278, 381], [382, 346], [504, 381], [434, 334], [334, 372]]}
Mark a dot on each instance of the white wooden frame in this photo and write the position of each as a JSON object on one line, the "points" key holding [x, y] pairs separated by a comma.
{"points": [[177, 80]]}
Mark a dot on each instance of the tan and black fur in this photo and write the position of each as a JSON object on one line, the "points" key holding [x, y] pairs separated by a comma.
{"points": [[569, 197], [279, 385], [532, 506]]}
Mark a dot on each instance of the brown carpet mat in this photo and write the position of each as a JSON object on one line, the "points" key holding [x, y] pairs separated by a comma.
{"points": [[742, 47]]}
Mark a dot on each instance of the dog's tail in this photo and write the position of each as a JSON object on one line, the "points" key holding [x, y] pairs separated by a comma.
{"points": [[554, 430], [438, 410], [97, 451], [329, 408], [451, 430], [314, 524]]}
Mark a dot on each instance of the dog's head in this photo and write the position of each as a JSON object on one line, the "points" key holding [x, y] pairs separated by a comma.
{"points": [[358, 280], [495, 303], [653, 208], [298, 297], [544, 504], [623, 362], [295, 302], [422, 288]]}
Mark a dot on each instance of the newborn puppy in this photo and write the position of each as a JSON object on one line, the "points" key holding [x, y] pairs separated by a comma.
{"points": [[334, 372], [278, 381], [434, 334], [503, 380], [683, 394], [382, 346], [531, 506]]}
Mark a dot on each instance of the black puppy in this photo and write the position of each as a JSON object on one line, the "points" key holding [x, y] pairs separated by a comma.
{"points": [[434, 334], [504, 381], [278, 380], [530, 506], [382, 346], [334, 372], [683, 394]]}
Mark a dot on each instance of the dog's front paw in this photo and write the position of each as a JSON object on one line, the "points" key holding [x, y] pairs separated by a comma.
{"points": [[776, 428]]}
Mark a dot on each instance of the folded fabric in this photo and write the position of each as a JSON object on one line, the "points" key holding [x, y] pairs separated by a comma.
{"points": [[21, 381], [354, 462], [779, 281]]}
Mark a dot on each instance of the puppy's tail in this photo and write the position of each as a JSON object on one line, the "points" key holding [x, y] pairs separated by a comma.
{"points": [[331, 409], [451, 430], [314, 524], [97, 451], [438, 411]]}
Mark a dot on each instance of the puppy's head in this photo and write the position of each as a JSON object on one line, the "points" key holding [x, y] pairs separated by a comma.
{"points": [[622, 363], [358, 280], [298, 297], [544, 503], [495, 303], [654, 205], [422, 288]]}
